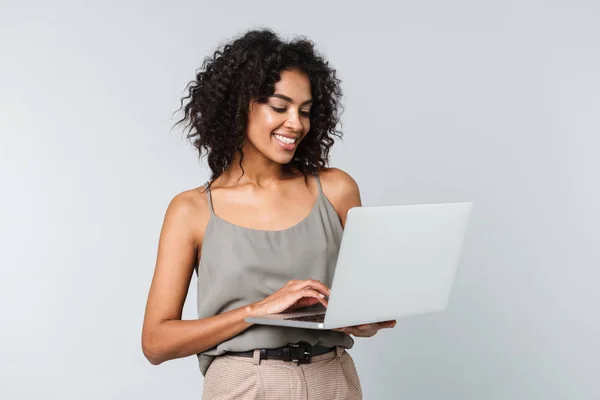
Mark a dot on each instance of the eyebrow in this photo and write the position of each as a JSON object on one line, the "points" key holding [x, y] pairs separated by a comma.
{"points": [[281, 96]]}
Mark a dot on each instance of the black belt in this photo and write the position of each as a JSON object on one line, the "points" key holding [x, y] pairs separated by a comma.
{"points": [[300, 353]]}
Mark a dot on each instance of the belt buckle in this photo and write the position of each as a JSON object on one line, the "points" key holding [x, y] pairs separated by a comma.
{"points": [[302, 352]]}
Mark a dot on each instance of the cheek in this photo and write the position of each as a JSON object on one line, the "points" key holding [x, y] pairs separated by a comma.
{"points": [[306, 126], [269, 121], [260, 123]]}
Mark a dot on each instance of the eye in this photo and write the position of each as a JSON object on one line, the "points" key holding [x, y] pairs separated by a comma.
{"points": [[282, 110]]}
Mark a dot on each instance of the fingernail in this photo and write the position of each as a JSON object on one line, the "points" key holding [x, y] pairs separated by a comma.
{"points": [[321, 295]]}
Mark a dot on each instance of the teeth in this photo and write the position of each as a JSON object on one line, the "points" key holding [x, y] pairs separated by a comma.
{"points": [[285, 140]]}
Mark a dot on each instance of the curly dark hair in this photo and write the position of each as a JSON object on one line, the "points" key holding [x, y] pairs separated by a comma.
{"points": [[246, 70]]}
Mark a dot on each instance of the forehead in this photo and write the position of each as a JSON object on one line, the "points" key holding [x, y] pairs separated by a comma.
{"points": [[294, 84]]}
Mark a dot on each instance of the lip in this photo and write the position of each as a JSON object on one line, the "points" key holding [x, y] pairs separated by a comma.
{"points": [[287, 135], [286, 146]]}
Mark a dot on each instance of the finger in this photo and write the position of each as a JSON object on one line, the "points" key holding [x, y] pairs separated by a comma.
{"points": [[361, 332], [320, 286], [306, 302], [313, 293], [314, 284]]}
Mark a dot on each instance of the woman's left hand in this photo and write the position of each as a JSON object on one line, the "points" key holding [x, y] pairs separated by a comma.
{"points": [[367, 330]]}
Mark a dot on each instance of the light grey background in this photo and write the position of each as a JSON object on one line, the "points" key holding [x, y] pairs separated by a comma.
{"points": [[493, 102]]}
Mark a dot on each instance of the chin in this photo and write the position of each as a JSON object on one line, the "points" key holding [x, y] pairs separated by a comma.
{"points": [[282, 159]]}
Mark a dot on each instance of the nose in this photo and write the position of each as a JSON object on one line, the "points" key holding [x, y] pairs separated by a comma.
{"points": [[294, 122]]}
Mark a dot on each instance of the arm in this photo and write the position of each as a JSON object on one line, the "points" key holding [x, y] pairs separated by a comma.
{"points": [[164, 335]]}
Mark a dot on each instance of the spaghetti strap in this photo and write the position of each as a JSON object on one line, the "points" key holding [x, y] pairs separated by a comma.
{"points": [[209, 198], [319, 184]]}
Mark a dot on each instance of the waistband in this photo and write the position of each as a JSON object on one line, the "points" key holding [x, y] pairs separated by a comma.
{"points": [[300, 353]]}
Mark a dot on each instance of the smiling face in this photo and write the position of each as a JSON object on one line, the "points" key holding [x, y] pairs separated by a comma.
{"points": [[276, 128]]}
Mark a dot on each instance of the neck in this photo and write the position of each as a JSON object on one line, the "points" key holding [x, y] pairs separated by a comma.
{"points": [[258, 170]]}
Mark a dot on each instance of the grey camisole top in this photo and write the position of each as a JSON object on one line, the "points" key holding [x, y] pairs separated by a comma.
{"points": [[239, 266]]}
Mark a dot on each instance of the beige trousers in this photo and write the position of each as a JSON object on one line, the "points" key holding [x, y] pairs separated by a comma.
{"points": [[329, 376]]}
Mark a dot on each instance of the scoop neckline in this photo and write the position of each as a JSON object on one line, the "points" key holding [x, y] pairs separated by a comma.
{"points": [[214, 215]]}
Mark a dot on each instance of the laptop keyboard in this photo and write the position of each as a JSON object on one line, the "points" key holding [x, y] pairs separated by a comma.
{"points": [[309, 318]]}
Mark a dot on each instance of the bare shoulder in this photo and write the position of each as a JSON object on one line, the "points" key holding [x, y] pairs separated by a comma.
{"points": [[338, 181], [189, 203], [341, 189], [189, 211]]}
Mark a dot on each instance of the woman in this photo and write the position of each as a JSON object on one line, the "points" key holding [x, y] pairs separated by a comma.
{"points": [[263, 233]]}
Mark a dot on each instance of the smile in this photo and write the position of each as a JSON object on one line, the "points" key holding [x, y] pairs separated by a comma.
{"points": [[286, 143], [284, 139]]}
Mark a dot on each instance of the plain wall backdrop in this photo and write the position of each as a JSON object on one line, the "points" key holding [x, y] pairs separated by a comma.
{"points": [[492, 102]]}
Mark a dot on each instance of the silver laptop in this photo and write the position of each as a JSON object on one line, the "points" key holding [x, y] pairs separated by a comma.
{"points": [[394, 262]]}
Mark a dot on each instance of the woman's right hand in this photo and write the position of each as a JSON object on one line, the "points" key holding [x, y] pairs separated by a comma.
{"points": [[292, 296]]}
